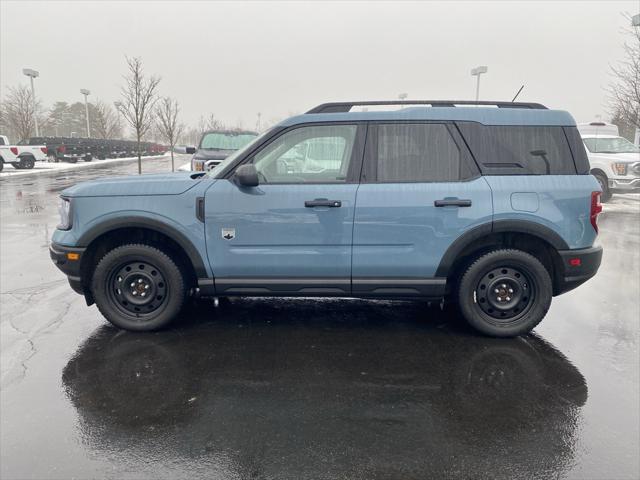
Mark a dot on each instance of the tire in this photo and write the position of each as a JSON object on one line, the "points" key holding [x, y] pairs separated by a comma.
{"points": [[150, 270], [27, 162], [1, 164], [16, 165], [88, 158], [505, 293], [604, 184]]}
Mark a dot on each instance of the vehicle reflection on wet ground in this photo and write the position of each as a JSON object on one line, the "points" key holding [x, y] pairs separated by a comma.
{"points": [[328, 389], [311, 388]]}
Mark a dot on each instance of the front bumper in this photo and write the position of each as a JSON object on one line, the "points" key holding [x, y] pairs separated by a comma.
{"points": [[624, 185], [578, 266], [68, 259]]}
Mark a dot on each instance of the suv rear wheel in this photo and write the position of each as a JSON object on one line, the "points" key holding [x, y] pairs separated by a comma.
{"points": [[138, 287], [505, 293]]}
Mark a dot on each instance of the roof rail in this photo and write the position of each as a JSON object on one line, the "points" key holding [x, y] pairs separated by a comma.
{"points": [[340, 107]]}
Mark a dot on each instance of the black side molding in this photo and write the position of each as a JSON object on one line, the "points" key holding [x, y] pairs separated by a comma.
{"points": [[200, 208]]}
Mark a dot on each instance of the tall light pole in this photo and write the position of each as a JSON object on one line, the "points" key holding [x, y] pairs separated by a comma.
{"points": [[86, 93], [402, 97], [635, 22], [477, 72], [33, 74]]}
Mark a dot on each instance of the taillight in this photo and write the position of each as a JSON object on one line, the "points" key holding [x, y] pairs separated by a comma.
{"points": [[43, 150], [62, 149], [14, 150], [596, 209]]}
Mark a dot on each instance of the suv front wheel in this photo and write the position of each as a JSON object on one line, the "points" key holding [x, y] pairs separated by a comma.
{"points": [[138, 287], [505, 293]]}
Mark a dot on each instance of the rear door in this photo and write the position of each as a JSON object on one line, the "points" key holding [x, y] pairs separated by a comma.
{"points": [[420, 191], [292, 233]]}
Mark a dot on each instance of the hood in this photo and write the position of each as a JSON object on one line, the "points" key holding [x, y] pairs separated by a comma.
{"points": [[156, 184], [212, 154], [617, 157]]}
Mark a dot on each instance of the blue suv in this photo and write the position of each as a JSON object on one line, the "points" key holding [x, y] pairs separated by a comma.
{"points": [[489, 205]]}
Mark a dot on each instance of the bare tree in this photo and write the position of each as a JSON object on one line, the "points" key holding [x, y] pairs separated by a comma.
{"points": [[624, 90], [18, 111], [138, 100], [167, 122], [107, 122]]}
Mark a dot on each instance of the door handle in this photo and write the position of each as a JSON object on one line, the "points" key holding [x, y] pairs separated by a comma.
{"points": [[322, 202], [454, 202]]}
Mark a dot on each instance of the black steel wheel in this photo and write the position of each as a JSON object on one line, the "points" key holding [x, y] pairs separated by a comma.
{"points": [[138, 287], [505, 293]]}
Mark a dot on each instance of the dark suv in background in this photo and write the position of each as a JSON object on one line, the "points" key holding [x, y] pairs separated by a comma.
{"points": [[216, 145]]}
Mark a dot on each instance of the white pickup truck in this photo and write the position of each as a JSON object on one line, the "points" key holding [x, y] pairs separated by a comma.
{"points": [[614, 160], [20, 156]]}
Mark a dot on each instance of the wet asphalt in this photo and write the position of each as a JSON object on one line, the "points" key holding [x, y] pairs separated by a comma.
{"points": [[310, 388]]}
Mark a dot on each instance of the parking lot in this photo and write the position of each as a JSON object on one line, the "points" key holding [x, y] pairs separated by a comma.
{"points": [[310, 388]]}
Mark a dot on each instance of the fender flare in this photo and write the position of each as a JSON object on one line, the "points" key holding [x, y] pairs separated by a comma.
{"points": [[150, 224], [527, 227]]}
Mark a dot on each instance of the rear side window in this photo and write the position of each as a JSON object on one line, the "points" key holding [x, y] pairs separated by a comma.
{"points": [[417, 153], [519, 150]]}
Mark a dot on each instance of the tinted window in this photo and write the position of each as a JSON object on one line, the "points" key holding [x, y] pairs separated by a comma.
{"points": [[1, 141], [519, 150], [308, 155], [417, 153]]}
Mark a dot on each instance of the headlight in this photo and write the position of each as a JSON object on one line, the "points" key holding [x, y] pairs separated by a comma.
{"points": [[619, 168], [64, 207]]}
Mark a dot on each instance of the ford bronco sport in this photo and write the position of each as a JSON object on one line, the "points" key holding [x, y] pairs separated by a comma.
{"points": [[489, 205]]}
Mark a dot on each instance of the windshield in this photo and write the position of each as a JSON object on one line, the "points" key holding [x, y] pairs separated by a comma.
{"points": [[222, 166], [226, 141], [610, 145]]}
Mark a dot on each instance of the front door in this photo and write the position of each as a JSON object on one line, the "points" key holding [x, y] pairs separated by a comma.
{"points": [[292, 233]]}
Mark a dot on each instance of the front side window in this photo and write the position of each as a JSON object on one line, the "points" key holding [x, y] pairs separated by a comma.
{"points": [[315, 154], [417, 153]]}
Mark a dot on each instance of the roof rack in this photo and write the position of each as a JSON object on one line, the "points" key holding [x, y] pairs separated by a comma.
{"points": [[341, 107]]}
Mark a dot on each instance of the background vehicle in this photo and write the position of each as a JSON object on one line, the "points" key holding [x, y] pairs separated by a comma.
{"points": [[21, 156], [491, 208], [216, 145], [614, 160], [72, 149]]}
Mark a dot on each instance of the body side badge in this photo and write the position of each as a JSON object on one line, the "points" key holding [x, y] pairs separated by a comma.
{"points": [[228, 233]]}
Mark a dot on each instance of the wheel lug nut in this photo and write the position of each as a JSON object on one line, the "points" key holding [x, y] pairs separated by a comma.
{"points": [[143, 294], [497, 291], [503, 285], [146, 287], [139, 280], [134, 293], [511, 290], [507, 299], [133, 284]]}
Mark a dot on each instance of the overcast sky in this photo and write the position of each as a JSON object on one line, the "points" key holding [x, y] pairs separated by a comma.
{"points": [[278, 58]]}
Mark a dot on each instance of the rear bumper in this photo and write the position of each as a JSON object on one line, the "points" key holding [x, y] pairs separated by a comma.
{"points": [[578, 266], [71, 268]]}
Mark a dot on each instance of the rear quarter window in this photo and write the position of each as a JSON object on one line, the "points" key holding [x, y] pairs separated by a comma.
{"points": [[518, 149]]}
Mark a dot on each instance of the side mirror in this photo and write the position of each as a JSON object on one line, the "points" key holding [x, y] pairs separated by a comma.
{"points": [[247, 175], [190, 150]]}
